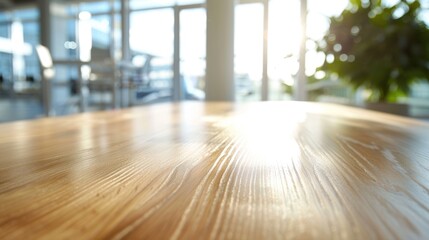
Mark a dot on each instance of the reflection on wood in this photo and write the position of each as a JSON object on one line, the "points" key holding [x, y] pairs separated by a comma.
{"points": [[216, 171]]}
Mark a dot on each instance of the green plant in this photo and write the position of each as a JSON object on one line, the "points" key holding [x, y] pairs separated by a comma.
{"points": [[381, 48]]}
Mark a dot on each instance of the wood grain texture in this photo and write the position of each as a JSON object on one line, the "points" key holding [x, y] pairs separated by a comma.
{"points": [[277, 170]]}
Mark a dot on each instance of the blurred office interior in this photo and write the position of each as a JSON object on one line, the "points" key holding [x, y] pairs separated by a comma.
{"points": [[61, 57]]}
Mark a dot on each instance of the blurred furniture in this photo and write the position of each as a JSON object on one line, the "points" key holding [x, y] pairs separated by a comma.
{"points": [[102, 85], [149, 81], [96, 85], [193, 170]]}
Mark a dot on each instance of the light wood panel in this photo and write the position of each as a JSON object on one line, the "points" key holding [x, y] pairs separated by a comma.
{"points": [[277, 170]]}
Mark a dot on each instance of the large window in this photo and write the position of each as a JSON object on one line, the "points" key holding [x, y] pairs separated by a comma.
{"points": [[19, 32], [19, 66], [248, 42], [152, 48], [5, 57], [193, 52], [284, 41]]}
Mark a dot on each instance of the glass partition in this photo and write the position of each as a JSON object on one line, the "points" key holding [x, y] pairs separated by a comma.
{"points": [[248, 51], [193, 52], [330, 90], [89, 33], [283, 47], [32, 70], [19, 67], [152, 48], [284, 44], [5, 60]]}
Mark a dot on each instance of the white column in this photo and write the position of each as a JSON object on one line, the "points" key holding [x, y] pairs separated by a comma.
{"points": [[125, 49], [265, 79], [125, 30], [113, 63], [177, 85], [45, 40], [300, 90], [220, 51], [45, 22]]}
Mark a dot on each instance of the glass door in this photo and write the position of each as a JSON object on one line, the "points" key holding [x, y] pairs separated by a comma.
{"points": [[19, 66], [83, 33], [248, 50], [193, 52], [152, 49], [283, 47], [6, 73]]}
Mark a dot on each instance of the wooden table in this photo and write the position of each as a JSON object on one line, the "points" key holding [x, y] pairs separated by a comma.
{"points": [[277, 170]]}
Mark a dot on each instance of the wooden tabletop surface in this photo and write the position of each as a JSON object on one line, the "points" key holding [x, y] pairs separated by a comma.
{"points": [[274, 170]]}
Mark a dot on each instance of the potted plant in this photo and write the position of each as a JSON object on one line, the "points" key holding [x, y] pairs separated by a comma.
{"points": [[383, 49]]}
